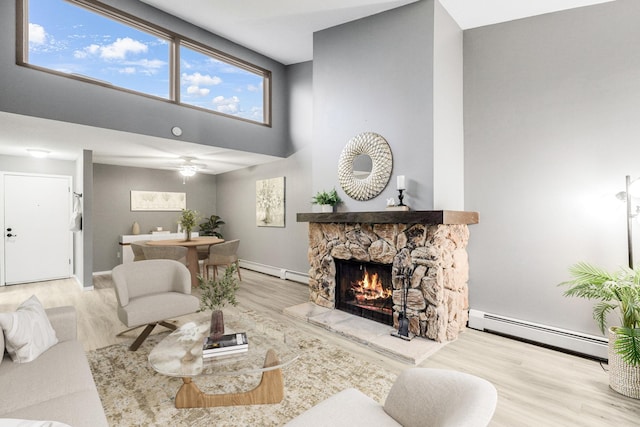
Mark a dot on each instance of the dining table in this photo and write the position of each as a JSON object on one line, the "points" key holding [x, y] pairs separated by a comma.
{"points": [[192, 251]]}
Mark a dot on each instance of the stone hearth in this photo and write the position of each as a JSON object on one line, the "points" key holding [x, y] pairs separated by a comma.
{"points": [[429, 245]]}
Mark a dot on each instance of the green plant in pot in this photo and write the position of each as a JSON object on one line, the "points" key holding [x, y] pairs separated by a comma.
{"points": [[326, 198], [210, 227], [188, 220], [216, 294], [615, 291]]}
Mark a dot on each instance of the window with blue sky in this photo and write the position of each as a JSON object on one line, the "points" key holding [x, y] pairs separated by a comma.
{"points": [[69, 39]]}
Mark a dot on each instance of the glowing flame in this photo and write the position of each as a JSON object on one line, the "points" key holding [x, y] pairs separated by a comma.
{"points": [[370, 288]]}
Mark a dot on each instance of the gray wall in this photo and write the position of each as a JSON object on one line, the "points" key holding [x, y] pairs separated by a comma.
{"points": [[112, 215], [551, 130], [376, 75], [277, 247], [35, 93]]}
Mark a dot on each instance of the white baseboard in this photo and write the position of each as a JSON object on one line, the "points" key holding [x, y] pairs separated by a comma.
{"points": [[282, 273], [577, 342]]}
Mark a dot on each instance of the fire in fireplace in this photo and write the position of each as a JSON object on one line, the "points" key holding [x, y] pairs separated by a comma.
{"points": [[365, 289]]}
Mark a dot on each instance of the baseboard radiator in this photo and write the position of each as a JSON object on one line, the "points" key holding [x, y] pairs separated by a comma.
{"points": [[575, 342], [282, 273]]}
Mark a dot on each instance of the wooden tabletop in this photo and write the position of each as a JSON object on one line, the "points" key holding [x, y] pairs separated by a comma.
{"points": [[195, 241]]}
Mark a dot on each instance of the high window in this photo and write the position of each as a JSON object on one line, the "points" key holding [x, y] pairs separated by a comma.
{"points": [[86, 40]]}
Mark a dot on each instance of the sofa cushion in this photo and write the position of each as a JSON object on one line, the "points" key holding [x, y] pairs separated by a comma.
{"points": [[60, 371], [27, 331], [348, 408]]}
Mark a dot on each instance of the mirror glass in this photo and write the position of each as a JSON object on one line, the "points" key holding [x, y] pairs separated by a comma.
{"points": [[362, 166]]}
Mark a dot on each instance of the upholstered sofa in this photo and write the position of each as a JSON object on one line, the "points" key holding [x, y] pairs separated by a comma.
{"points": [[56, 386], [420, 397]]}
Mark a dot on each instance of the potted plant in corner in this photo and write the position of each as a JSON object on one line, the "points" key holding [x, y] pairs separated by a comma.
{"points": [[187, 221], [215, 294], [326, 200], [210, 227], [619, 291]]}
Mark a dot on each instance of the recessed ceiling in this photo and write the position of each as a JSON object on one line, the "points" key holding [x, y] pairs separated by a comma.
{"points": [[280, 29]]}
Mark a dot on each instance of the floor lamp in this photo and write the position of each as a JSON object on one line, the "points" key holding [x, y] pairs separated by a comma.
{"points": [[632, 190]]}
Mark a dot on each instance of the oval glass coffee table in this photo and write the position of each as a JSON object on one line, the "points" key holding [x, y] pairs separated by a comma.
{"points": [[180, 355]]}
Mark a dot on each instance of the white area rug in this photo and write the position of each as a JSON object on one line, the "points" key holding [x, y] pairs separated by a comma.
{"points": [[133, 394]]}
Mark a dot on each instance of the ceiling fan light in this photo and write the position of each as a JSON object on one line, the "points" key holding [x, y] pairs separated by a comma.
{"points": [[188, 170]]}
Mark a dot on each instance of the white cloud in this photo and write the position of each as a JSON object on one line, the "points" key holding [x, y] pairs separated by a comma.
{"points": [[127, 70], [197, 79], [37, 34], [227, 105], [253, 88], [121, 48], [195, 90], [87, 51]]}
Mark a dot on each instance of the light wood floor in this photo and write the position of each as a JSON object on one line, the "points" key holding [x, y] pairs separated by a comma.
{"points": [[536, 386]]}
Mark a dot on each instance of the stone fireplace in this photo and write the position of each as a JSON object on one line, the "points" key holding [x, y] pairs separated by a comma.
{"points": [[428, 248]]}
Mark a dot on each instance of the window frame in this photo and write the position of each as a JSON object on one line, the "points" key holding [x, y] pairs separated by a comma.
{"points": [[175, 40]]}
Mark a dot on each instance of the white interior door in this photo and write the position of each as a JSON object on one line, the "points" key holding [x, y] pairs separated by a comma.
{"points": [[37, 240]]}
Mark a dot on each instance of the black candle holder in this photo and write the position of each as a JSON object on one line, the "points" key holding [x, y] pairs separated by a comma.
{"points": [[400, 197]]}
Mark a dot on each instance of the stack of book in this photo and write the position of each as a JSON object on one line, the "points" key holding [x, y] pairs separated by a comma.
{"points": [[225, 345]]}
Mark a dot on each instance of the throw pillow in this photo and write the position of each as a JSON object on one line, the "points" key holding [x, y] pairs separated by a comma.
{"points": [[27, 332]]}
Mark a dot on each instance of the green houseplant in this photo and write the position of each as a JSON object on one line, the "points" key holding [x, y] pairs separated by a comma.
{"points": [[188, 220], [326, 198], [216, 294], [615, 291], [210, 227]]}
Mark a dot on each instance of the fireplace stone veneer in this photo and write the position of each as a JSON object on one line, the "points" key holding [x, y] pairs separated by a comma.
{"points": [[429, 245]]}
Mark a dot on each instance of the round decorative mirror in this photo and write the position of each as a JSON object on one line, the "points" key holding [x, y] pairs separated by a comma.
{"points": [[365, 166]]}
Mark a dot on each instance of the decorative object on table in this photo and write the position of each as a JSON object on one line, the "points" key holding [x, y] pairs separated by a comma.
{"points": [[619, 290], [210, 227], [135, 228], [403, 320], [326, 200], [357, 185], [158, 201], [215, 294], [188, 220], [270, 202], [225, 345]]}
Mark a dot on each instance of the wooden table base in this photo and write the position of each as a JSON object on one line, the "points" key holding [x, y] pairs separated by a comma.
{"points": [[270, 390]]}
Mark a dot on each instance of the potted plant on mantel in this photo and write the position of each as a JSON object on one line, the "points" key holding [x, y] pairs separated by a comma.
{"points": [[326, 200], [217, 293], [619, 291], [188, 220]]}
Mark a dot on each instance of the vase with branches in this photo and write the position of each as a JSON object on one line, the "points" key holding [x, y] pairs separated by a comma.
{"points": [[188, 220], [215, 295]]}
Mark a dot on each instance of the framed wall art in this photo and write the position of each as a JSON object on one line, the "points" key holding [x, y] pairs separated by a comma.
{"points": [[270, 202], [158, 201]]}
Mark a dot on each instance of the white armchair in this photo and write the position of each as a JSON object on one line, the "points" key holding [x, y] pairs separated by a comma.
{"points": [[151, 291], [420, 397]]}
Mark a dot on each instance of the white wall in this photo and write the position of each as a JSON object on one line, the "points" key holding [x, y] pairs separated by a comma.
{"points": [[551, 130]]}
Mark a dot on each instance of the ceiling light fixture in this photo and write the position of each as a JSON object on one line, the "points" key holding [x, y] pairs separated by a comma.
{"points": [[188, 170], [36, 152]]}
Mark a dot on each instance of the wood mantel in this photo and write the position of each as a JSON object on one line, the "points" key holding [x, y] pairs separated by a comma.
{"points": [[393, 217]]}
